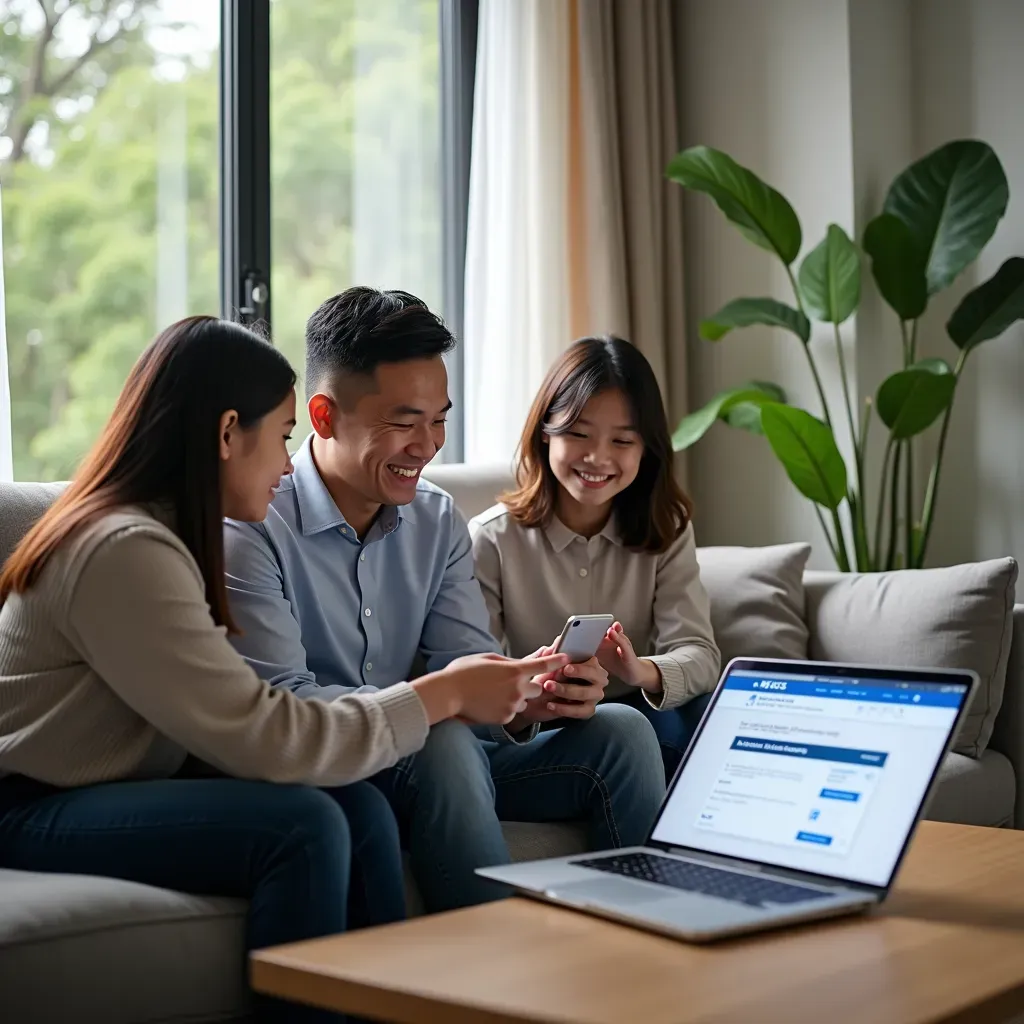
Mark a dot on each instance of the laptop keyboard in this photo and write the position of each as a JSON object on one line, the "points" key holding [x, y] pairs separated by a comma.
{"points": [[681, 874]]}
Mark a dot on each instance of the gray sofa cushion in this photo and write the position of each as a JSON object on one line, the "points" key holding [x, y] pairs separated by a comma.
{"points": [[757, 599], [20, 506], [960, 616], [974, 791], [82, 949]]}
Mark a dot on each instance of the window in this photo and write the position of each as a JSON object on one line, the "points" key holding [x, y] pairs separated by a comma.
{"points": [[355, 148], [108, 157], [174, 157]]}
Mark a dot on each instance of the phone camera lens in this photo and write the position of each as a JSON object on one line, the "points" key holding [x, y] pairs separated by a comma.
{"points": [[576, 623]]}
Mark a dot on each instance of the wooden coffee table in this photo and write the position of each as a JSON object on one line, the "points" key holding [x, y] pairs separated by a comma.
{"points": [[948, 945]]}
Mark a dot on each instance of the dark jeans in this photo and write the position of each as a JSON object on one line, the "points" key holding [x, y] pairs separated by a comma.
{"points": [[451, 796], [674, 728], [310, 863]]}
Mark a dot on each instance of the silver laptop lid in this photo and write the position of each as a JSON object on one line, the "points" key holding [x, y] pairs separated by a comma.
{"points": [[818, 768]]}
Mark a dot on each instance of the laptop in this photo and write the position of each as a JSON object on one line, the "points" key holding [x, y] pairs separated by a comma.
{"points": [[796, 800]]}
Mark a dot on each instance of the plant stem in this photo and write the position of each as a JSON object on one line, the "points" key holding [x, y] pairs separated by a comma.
{"points": [[908, 526], [824, 530], [928, 513], [810, 358], [913, 342], [906, 343], [894, 502], [857, 505], [883, 477], [843, 559]]}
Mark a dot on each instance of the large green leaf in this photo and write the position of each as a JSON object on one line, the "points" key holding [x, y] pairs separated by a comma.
{"points": [[808, 453], [897, 265], [913, 399], [746, 312], [830, 277], [761, 213], [694, 426], [990, 308], [747, 415], [952, 199]]}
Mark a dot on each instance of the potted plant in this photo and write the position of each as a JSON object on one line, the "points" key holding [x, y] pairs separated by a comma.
{"points": [[937, 217]]}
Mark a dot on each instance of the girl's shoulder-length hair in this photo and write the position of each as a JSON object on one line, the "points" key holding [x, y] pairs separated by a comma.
{"points": [[653, 511]]}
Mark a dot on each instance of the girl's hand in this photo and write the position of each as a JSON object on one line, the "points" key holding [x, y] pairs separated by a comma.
{"points": [[618, 658]]}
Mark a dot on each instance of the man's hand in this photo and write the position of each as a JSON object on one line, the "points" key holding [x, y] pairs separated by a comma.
{"points": [[573, 693]]}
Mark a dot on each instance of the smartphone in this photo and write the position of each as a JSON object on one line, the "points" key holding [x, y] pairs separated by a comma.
{"points": [[582, 635]]}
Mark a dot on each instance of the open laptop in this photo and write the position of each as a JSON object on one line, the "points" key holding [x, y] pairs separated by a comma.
{"points": [[796, 799]]}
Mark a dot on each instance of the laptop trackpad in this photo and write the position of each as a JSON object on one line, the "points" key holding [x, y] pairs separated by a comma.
{"points": [[620, 892]]}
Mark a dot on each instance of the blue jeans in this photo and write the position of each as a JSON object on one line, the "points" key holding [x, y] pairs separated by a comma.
{"points": [[308, 862], [450, 796], [674, 728]]}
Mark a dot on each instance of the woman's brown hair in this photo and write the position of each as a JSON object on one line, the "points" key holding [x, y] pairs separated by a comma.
{"points": [[161, 445], [653, 510]]}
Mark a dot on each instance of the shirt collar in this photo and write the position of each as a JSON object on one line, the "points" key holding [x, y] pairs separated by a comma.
{"points": [[317, 510], [560, 536]]}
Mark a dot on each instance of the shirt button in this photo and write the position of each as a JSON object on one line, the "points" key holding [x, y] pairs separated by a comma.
{"points": [[369, 666], [362, 557], [367, 613], [583, 572]]}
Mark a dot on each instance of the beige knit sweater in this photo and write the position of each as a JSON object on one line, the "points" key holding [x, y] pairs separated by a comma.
{"points": [[111, 667]]}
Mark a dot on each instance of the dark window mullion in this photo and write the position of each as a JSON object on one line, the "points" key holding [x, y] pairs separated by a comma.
{"points": [[458, 75], [245, 160]]}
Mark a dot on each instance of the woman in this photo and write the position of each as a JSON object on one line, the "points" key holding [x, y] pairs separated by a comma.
{"points": [[119, 688], [597, 523]]}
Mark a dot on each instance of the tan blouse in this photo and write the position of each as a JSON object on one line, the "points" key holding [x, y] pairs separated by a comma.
{"points": [[533, 579]]}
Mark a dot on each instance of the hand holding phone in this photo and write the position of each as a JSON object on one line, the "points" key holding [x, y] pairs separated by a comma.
{"points": [[582, 635]]}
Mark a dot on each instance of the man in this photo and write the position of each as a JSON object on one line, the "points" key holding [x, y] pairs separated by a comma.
{"points": [[361, 566]]}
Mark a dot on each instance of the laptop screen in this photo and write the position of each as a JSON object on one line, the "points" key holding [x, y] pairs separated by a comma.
{"points": [[814, 772]]}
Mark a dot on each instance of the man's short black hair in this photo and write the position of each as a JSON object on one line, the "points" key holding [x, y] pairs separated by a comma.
{"points": [[356, 331]]}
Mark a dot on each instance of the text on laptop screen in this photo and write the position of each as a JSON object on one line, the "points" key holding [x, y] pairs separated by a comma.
{"points": [[811, 773]]}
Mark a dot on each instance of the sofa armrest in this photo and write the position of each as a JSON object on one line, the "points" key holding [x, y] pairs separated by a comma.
{"points": [[1008, 734]]}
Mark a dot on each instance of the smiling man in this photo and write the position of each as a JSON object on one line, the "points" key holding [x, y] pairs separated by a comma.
{"points": [[361, 566]]}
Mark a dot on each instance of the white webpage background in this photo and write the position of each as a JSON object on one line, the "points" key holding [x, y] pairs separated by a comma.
{"points": [[914, 742]]}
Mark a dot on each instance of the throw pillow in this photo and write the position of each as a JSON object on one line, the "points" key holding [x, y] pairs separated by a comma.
{"points": [[757, 599], [960, 616]]}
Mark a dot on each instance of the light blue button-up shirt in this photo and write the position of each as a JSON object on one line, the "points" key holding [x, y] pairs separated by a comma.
{"points": [[324, 613]]}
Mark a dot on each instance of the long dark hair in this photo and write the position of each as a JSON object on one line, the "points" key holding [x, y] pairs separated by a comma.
{"points": [[161, 445], [653, 510]]}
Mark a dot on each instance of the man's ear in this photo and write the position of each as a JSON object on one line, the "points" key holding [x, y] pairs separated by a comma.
{"points": [[226, 434], [321, 415]]}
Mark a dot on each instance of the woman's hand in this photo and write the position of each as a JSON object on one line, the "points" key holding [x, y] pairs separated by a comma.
{"points": [[618, 659], [487, 689]]}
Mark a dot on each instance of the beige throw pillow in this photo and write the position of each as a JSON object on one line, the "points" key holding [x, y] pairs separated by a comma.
{"points": [[960, 616], [757, 599]]}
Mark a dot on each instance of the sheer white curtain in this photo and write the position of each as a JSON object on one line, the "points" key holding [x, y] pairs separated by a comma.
{"points": [[6, 452], [572, 228], [517, 301]]}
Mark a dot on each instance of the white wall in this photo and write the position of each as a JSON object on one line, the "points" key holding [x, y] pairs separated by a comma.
{"points": [[828, 100], [968, 81]]}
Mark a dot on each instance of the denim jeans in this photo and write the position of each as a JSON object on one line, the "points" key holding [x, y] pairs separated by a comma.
{"points": [[674, 728], [451, 795], [310, 863]]}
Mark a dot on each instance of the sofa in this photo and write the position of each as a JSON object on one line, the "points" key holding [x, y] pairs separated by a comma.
{"points": [[83, 949]]}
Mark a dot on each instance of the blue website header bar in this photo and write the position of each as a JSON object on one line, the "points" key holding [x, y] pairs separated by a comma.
{"points": [[844, 755], [950, 696]]}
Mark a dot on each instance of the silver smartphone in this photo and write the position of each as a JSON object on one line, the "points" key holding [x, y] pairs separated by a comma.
{"points": [[582, 635]]}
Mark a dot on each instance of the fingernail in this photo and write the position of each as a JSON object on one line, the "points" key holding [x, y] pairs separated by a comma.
{"points": [[552, 707], [569, 670]]}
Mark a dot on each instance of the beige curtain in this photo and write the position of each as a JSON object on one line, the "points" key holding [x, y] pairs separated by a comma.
{"points": [[579, 97]]}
